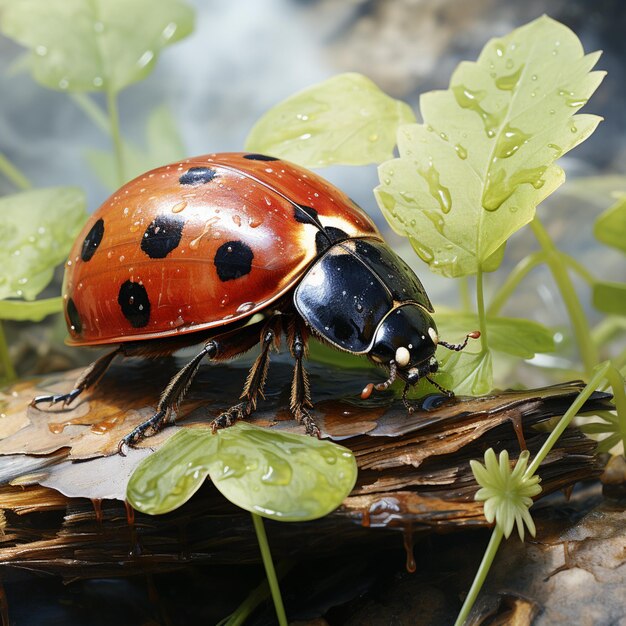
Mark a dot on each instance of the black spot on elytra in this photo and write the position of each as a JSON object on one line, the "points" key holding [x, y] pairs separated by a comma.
{"points": [[135, 304], [76, 326], [162, 236], [259, 157], [92, 240], [233, 259], [306, 215], [327, 237], [197, 176]]}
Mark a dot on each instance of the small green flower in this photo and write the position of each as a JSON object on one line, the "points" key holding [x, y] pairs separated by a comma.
{"points": [[507, 494]]}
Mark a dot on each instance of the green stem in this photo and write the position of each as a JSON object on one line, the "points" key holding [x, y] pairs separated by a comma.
{"points": [[519, 272], [114, 121], [92, 111], [480, 306], [5, 358], [269, 568], [464, 293], [579, 268], [569, 415], [258, 595], [481, 574], [580, 326], [619, 399], [13, 174]]}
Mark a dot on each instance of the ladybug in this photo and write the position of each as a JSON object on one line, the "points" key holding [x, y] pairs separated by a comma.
{"points": [[233, 250]]}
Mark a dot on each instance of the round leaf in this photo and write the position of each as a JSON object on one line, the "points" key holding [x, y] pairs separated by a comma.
{"points": [[37, 229], [98, 45], [346, 119]]}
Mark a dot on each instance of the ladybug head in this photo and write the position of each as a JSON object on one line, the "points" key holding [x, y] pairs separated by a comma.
{"points": [[406, 339]]}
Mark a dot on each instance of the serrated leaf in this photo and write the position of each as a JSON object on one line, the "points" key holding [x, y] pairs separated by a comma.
{"points": [[346, 119], [512, 335], [471, 373], [166, 479], [472, 174], [279, 475], [94, 45], [610, 297], [163, 145], [37, 229], [32, 311], [610, 227]]}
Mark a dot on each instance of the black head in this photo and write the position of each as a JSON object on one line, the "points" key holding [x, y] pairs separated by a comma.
{"points": [[408, 337]]}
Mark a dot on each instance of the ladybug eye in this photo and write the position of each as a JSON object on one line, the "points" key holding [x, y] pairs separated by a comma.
{"points": [[432, 333], [403, 356]]}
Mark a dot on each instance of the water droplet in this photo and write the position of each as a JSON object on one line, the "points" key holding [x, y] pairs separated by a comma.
{"points": [[499, 188], [245, 307], [499, 49], [98, 82], [122, 257], [443, 136], [436, 218], [436, 189], [509, 64], [557, 149], [533, 77], [145, 58], [180, 206], [576, 103], [64, 83], [98, 27], [513, 209], [509, 142], [460, 151], [424, 252], [169, 30], [373, 137], [471, 99], [573, 128], [254, 222], [509, 82], [41, 51], [305, 136]]}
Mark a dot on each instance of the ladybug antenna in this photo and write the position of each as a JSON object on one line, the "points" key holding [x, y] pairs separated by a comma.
{"points": [[367, 391], [457, 347]]}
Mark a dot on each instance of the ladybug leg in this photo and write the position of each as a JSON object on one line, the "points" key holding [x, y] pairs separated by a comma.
{"points": [[409, 407], [254, 383], [170, 400], [90, 376], [443, 390], [300, 401]]}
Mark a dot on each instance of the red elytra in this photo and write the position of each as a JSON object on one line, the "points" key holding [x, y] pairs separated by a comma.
{"points": [[196, 245]]}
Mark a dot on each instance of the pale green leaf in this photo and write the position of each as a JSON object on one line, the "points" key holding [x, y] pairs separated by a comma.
{"points": [[610, 298], [163, 145], [29, 310], [472, 174], [610, 227], [346, 119], [519, 337], [94, 45], [279, 475], [472, 373], [282, 476], [37, 229]]}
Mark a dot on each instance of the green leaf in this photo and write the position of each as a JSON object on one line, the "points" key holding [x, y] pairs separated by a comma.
{"points": [[610, 227], [32, 311], [472, 374], [610, 298], [168, 478], [282, 476], [94, 45], [163, 145], [472, 174], [519, 337], [37, 229], [346, 119], [278, 475], [324, 353]]}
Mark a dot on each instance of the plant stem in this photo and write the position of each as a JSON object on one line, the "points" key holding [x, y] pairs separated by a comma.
{"points": [[92, 111], [269, 568], [464, 293], [5, 358], [619, 398], [481, 574], [480, 306], [13, 174], [114, 121], [519, 272], [569, 415], [577, 316]]}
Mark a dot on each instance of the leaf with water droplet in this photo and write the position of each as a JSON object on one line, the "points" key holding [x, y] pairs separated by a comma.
{"points": [[510, 142], [87, 46], [37, 229], [346, 119], [278, 475], [163, 144]]}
